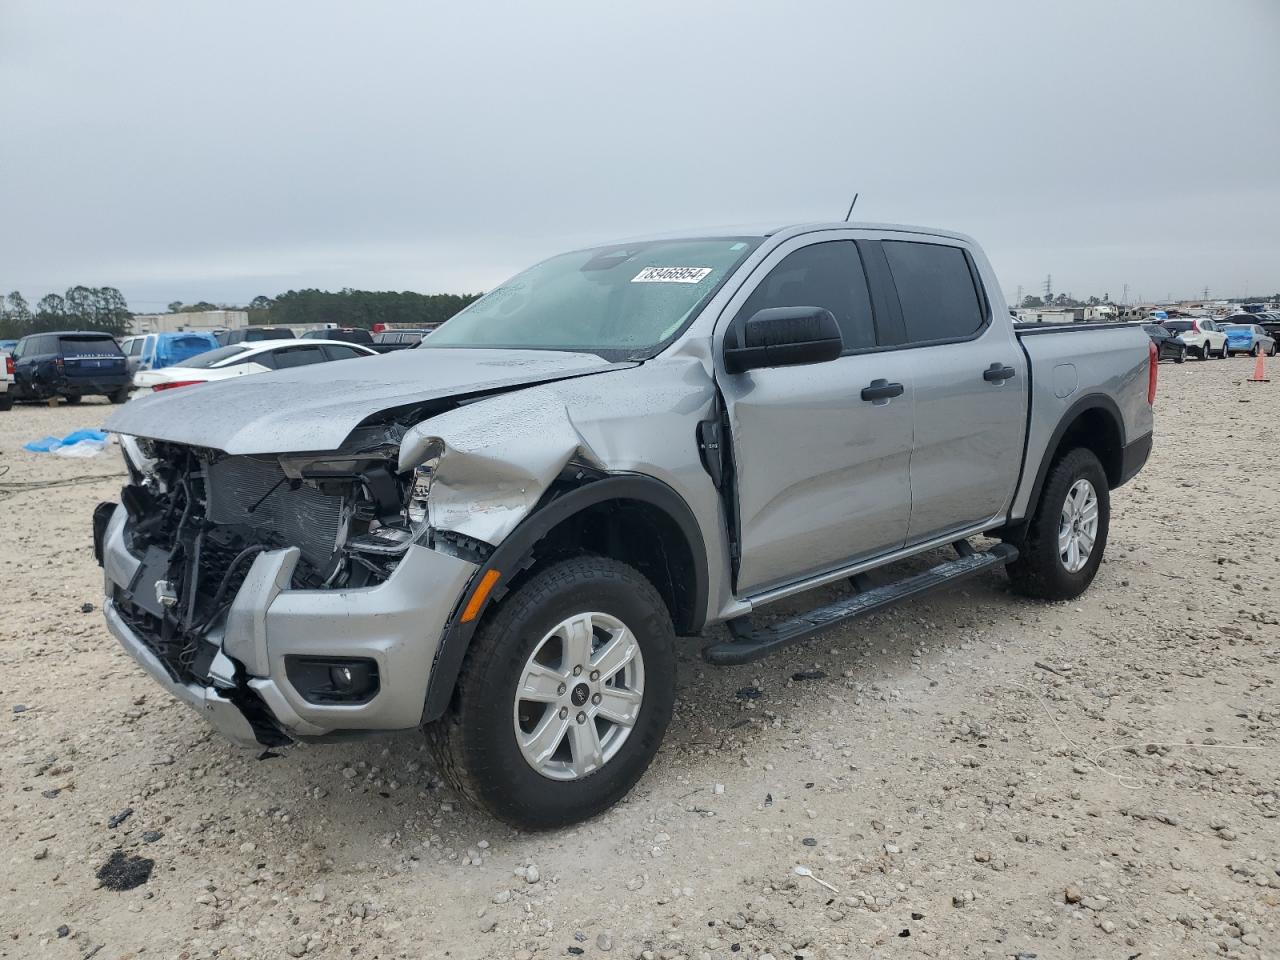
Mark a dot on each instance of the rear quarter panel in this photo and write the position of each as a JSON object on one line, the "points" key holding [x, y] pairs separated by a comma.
{"points": [[1076, 368]]}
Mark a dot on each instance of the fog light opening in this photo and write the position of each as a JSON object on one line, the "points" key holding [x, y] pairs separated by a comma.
{"points": [[333, 680]]}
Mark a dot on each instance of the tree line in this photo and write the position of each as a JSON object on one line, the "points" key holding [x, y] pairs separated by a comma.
{"points": [[346, 307], [80, 308], [357, 308]]}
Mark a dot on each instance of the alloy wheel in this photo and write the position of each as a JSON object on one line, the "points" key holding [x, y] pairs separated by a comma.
{"points": [[579, 696], [1078, 526]]}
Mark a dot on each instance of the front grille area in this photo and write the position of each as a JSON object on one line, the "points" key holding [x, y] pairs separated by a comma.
{"points": [[244, 491]]}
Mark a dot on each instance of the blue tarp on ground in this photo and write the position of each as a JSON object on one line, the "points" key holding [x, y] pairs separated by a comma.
{"points": [[80, 443]]}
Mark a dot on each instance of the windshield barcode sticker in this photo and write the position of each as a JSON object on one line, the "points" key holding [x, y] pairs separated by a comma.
{"points": [[671, 275]]}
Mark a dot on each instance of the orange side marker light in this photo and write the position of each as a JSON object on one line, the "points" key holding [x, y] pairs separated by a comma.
{"points": [[472, 609]]}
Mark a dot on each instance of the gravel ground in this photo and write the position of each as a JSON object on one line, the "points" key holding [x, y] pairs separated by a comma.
{"points": [[973, 775]]}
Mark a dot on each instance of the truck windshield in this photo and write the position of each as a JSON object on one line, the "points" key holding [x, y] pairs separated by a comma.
{"points": [[625, 301]]}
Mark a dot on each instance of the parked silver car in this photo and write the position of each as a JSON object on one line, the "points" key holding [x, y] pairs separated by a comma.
{"points": [[499, 536]]}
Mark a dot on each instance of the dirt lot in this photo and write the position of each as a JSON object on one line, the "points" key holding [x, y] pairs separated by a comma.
{"points": [[975, 775]]}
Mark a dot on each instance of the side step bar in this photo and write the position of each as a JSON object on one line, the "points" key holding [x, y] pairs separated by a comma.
{"points": [[750, 643]]}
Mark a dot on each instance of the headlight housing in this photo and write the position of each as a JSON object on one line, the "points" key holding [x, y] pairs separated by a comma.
{"points": [[420, 490]]}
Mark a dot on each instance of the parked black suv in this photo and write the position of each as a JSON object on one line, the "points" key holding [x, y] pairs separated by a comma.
{"points": [[70, 364]]}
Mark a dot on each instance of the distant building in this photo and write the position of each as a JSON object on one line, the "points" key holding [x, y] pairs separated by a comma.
{"points": [[1101, 313], [202, 320], [1046, 316]]}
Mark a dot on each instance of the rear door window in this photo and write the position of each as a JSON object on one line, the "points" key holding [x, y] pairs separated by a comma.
{"points": [[337, 352], [936, 289], [827, 275], [298, 356]]}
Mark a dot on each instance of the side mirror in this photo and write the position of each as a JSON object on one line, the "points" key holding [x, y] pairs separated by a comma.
{"points": [[784, 337]]}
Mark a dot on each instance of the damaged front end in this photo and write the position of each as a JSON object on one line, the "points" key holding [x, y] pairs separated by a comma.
{"points": [[333, 526]]}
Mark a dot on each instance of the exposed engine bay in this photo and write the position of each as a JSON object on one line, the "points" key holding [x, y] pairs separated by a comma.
{"points": [[199, 517]]}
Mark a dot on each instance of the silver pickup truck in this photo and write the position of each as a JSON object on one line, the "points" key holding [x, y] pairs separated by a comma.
{"points": [[499, 536]]}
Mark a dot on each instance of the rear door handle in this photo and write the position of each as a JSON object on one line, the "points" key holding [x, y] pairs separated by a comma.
{"points": [[881, 390], [998, 373]]}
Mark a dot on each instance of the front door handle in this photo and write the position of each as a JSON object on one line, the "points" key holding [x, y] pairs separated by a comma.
{"points": [[881, 390], [998, 373]]}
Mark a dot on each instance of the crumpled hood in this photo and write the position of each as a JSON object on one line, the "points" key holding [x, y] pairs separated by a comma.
{"points": [[314, 408]]}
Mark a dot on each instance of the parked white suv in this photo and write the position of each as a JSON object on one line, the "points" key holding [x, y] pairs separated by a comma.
{"points": [[1201, 335]]}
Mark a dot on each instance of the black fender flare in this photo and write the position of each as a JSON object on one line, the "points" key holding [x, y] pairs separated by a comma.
{"points": [[1093, 401], [513, 553]]}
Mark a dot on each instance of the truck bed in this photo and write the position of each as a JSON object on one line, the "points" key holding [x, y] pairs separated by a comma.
{"points": [[1075, 367]]}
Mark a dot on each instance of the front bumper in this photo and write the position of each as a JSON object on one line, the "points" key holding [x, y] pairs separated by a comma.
{"points": [[398, 624]]}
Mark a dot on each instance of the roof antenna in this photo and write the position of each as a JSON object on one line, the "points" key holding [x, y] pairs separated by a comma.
{"points": [[851, 206]]}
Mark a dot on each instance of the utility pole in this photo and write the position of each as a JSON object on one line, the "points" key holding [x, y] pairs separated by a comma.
{"points": [[1125, 298], [1018, 302], [1048, 288]]}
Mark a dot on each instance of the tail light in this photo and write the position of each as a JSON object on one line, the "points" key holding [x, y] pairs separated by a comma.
{"points": [[8, 365], [176, 383], [1153, 367]]}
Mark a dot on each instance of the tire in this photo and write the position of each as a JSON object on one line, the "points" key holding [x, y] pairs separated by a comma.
{"points": [[1226, 353], [475, 744], [73, 398], [1272, 351], [1040, 571], [1181, 357], [1256, 351], [6, 402], [120, 396], [1204, 351]]}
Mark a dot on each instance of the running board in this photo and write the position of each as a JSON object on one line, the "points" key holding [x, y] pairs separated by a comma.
{"points": [[750, 643]]}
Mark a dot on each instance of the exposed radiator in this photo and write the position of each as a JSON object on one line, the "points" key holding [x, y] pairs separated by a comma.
{"points": [[304, 518]]}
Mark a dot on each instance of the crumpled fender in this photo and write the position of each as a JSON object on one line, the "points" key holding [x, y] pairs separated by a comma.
{"points": [[499, 455]]}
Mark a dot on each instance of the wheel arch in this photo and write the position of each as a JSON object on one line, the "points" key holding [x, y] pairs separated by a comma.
{"points": [[1095, 423], [633, 518]]}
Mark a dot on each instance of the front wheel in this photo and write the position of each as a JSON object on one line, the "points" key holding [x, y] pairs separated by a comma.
{"points": [[564, 696], [1256, 351], [1064, 542]]}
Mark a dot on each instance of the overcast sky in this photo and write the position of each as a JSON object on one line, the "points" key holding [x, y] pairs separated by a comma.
{"points": [[219, 150]]}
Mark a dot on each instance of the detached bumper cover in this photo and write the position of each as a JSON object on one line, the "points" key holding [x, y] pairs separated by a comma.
{"points": [[398, 624], [221, 713]]}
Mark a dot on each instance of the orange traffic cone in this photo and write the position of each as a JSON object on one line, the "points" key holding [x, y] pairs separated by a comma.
{"points": [[1259, 371]]}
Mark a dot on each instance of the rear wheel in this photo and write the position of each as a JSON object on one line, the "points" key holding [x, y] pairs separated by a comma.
{"points": [[1226, 352], [564, 696], [1064, 542], [1181, 356], [6, 402], [72, 398], [1272, 351], [1256, 351], [120, 396], [1204, 351]]}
